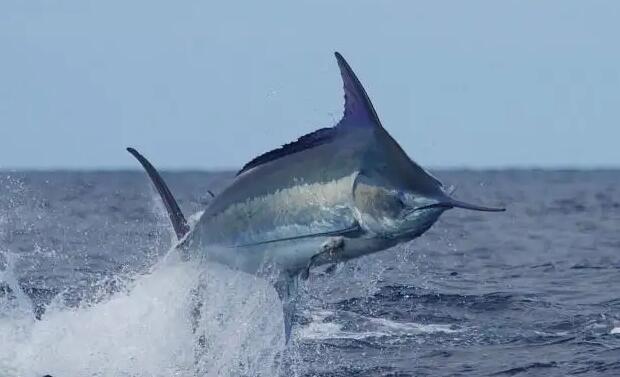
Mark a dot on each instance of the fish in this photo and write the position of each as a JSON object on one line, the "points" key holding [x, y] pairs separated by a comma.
{"points": [[333, 195]]}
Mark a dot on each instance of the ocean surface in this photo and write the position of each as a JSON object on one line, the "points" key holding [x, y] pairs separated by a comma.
{"points": [[89, 287]]}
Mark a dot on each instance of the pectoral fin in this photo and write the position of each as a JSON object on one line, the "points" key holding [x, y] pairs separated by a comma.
{"points": [[349, 231], [328, 249]]}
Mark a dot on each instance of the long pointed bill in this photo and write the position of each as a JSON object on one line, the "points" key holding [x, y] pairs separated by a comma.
{"points": [[453, 203], [458, 204]]}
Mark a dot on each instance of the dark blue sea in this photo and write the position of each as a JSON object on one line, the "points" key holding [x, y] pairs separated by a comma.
{"points": [[89, 287]]}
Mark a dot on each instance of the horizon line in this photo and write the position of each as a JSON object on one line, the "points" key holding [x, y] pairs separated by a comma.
{"points": [[172, 169]]}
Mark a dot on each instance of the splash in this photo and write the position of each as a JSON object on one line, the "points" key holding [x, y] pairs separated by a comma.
{"points": [[149, 328], [367, 328], [148, 325]]}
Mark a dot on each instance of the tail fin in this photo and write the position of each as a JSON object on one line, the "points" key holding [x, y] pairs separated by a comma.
{"points": [[174, 212]]}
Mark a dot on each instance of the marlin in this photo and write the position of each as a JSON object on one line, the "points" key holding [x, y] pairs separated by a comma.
{"points": [[333, 195]]}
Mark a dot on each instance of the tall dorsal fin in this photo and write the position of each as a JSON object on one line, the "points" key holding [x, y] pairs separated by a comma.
{"points": [[357, 105], [358, 111]]}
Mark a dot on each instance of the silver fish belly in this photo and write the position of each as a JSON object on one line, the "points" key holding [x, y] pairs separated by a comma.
{"points": [[282, 229]]}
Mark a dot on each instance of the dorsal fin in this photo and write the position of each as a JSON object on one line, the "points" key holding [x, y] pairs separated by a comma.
{"points": [[308, 141], [174, 212], [357, 105], [358, 111]]}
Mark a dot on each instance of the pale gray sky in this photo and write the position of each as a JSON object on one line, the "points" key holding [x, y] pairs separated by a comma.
{"points": [[198, 84]]}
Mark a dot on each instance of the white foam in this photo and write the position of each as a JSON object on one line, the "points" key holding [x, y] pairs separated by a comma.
{"points": [[319, 328], [146, 330], [615, 331]]}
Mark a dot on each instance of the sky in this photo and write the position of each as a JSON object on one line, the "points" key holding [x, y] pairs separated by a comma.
{"points": [[210, 85]]}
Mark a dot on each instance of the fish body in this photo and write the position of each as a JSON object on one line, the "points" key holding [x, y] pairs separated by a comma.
{"points": [[333, 195]]}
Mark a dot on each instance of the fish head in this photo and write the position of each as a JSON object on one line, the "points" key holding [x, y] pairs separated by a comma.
{"points": [[402, 201], [387, 209], [393, 196]]}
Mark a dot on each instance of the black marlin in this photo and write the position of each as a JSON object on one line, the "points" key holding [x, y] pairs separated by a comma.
{"points": [[335, 194]]}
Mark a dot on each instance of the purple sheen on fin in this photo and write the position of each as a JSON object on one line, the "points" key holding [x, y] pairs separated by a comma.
{"points": [[358, 112], [357, 105]]}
